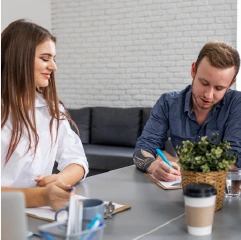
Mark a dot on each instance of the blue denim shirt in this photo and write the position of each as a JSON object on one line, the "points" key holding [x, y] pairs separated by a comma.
{"points": [[173, 111]]}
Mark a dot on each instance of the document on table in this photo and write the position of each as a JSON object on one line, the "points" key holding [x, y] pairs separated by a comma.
{"points": [[46, 213], [166, 185]]}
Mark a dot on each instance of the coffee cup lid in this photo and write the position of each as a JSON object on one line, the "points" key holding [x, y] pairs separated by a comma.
{"points": [[199, 190]]}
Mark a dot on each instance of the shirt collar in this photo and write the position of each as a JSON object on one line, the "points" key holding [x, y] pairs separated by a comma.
{"points": [[39, 100], [188, 101]]}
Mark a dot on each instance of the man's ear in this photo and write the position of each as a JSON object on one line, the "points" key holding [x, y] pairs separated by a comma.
{"points": [[193, 70]]}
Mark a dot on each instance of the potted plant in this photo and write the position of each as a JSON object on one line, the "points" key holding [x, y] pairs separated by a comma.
{"points": [[206, 161]]}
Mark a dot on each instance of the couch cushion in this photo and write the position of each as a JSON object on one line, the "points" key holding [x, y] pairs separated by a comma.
{"points": [[105, 158], [145, 116], [82, 118], [115, 126]]}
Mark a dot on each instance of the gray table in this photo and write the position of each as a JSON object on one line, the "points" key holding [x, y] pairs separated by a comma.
{"points": [[152, 207]]}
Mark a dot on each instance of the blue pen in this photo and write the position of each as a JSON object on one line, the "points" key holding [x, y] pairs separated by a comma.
{"points": [[47, 236], [92, 235], [161, 154], [95, 222]]}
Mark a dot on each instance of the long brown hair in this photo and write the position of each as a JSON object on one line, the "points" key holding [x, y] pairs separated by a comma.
{"points": [[18, 91]]}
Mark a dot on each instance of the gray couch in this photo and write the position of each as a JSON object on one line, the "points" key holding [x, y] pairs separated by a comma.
{"points": [[109, 135]]}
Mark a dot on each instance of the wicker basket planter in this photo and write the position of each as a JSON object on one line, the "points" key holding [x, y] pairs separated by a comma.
{"points": [[216, 178]]}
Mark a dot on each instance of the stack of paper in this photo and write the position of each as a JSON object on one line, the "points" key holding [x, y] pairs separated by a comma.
{"points": [[47, 214], [166, 185]]}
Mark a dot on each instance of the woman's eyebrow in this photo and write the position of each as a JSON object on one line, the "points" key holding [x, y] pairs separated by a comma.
{"points": [[48, 54]]}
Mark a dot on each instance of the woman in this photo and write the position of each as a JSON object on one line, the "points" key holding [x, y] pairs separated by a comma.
{"points": [[35, 125]]}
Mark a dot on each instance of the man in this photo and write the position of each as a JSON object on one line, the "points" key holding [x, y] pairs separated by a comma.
{"points": [[206, 107]]}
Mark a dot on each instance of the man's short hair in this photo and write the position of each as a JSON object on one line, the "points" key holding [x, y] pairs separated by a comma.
{"points": [[220, 55]]}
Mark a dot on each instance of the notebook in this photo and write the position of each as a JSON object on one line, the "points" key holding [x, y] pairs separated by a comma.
{"points": [[13, 218], [47, 214], [166, 185]]}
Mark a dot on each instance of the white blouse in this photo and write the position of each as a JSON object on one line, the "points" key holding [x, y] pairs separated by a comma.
{"points": [[22, 168]]}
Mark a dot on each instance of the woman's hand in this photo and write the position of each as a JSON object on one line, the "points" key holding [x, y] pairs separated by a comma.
{"points": [[47, 180], [70, 174], [57, 195]]}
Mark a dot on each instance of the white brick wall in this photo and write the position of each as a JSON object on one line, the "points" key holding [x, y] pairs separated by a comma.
{"points": [[37, 11], [0, 15], [128, 52]]}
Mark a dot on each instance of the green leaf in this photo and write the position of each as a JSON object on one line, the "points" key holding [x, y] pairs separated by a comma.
{"points": [[206, 155]]}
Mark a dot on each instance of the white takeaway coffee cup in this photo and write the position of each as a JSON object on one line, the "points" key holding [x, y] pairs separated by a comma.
{"points": [[199, 199]]}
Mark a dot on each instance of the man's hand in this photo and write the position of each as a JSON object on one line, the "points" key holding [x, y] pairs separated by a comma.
{"points": [[57, 195], [47, 180], [161, 171], [170, 158]]}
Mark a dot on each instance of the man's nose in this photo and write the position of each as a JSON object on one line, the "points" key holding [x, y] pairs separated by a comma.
{"points": [[208, 93]]}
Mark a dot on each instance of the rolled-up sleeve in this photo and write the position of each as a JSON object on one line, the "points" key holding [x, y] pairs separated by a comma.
{"points": [[70, 149]]}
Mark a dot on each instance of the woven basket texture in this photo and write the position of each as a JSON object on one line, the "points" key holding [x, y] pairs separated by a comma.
{"points": [[215, 178]]}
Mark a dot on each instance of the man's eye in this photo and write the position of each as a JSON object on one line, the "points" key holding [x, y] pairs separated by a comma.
{"points": [[219, 89], [45, 60], [204, 84]]}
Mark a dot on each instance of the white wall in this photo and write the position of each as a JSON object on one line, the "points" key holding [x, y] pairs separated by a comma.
{"points": [[38, 11], [0, 15], [127, 52]]}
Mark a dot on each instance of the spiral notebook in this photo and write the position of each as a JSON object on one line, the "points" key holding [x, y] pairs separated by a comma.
{"points": [[46, 213], [166, 185]]}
